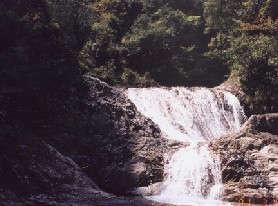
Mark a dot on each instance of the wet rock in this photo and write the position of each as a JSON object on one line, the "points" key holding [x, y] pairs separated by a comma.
{"points": [[152, 189], [249, 160]]}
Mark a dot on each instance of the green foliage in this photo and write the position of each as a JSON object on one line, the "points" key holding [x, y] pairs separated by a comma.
{"points": [[255, 59], [33, 55], [46, 44], [162, 44], [74, 19], [162, 38], [246, 37], [131, 78]]}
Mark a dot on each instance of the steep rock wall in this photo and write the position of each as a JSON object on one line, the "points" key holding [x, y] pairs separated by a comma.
{"points": [[100, 136], [108, 138]]}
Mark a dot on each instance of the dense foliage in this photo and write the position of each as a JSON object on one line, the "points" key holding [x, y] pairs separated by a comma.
{"points": [[135, 43], [246, 37], [47, 44], [123, 42], [33, 54]]}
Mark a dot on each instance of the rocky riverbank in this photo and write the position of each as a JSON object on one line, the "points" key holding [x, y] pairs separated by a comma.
{"points": [[249, 161], [70, 149], [37, 174], [81, 149]]}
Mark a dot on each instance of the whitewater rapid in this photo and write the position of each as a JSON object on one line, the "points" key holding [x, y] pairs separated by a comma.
{"points": [[195, 116]]}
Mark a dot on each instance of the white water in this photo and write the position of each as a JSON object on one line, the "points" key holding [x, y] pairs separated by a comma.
{"points": [[193, 115]]}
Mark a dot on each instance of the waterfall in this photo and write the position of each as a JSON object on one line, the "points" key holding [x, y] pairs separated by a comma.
{"points": [[195, 116]]}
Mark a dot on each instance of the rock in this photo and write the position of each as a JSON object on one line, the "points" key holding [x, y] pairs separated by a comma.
{"points": [[37, 174], [101, 138], [120, 148], [152, 189], [249, 160], [265, 123]]}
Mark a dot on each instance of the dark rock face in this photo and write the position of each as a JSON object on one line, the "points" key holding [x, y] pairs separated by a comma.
{"points": [[265, 123], [122, 149], [249, 161], [37, 171], [100, 136], [40, 175]]}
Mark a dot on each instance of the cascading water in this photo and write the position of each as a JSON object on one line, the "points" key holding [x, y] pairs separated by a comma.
{"points": [[195, 116]]}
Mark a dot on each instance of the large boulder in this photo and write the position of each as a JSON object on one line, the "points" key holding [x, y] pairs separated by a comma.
{"points": [[68, 149], [35, 173], [109, 139], [249, 160]]}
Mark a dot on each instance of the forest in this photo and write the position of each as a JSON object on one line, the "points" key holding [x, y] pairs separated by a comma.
{"points": [[48, 44]]}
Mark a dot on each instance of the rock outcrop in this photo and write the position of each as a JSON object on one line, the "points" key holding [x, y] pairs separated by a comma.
{"points": [[249, 160], [130, 152], [37, 174], [100, 136]]}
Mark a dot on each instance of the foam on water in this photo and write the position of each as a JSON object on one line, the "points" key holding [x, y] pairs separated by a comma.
{"points": [[193, 115]]}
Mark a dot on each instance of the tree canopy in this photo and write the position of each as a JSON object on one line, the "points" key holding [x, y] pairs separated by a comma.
{"points": [[48, 44], [246, 38], [134, 43]]}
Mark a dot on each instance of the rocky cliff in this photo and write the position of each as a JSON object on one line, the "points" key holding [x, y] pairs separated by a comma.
{"points": [[249, 160], [58, 151], [111, 140]]}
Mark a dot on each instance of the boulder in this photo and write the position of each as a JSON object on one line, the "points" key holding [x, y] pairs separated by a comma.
{"points": [[65, 148], [37, 174], [249, 161], [109, 139]]}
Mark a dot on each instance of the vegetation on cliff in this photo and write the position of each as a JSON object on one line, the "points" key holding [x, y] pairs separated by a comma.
{"points": [[246, 38], [48, 44]]}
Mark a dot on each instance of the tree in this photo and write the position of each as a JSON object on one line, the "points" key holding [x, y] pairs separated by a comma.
{"points": [[245, 37], [162, 38]]}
